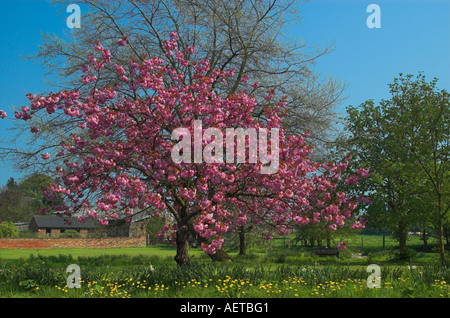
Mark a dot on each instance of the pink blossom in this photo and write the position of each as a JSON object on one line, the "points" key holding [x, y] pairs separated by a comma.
{"points": [[91, 214], [358, 225], [218, 197], [103, 221], [241, 220], [106, 55], [191, 50], [204, 204], [86, 79], [363, 172], [211, 248], [91, 58], [365, 200], [173, 35], [342, 245], [31, 96], [45, 156], [119, 69], [172, 178], [98, 46], [103, 206], [123, 153], [98, 65], [340, 195], [122, 41], [352, 180], [255, 85]]}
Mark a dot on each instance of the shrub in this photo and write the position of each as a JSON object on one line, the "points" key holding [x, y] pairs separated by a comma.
{"points": [[7, 229], [28, 234], [70, 234]]}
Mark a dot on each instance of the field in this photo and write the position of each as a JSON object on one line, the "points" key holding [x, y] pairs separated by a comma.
{"points": [[278, 272]]}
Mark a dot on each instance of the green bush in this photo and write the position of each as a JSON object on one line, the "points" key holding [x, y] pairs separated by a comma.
{"points": [[28, 234], [70, 234], [7, 229]]}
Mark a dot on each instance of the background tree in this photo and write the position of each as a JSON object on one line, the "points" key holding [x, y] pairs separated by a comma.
{"points": [[20, 201], [374, 145], [246, 233], [406, 141], [34, 187], [11, 184], [10, 197], [422, 116]]}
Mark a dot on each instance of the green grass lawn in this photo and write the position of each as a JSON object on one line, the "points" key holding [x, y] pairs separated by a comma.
{"points": [[160, 251], [281, 271], [368, 246]]}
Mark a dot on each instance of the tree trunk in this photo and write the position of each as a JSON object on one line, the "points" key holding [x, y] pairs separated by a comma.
{"points": [[441, 246], [242, 247], [425, 239], [182, 240], [441, 231], [446, 232], [402, 239], [220, 256], [328, 239]]}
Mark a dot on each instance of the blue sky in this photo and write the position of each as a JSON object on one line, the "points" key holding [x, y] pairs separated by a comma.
{"points": [[414, 36]]}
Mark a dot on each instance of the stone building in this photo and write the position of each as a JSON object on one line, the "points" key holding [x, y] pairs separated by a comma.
{"points": [[53, 225]]}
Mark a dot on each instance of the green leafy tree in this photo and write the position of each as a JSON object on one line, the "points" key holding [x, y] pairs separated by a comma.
{"points": [[11, 184], [10, 199], [422, 114], [405, 140], [34, 187], [20, 201]]}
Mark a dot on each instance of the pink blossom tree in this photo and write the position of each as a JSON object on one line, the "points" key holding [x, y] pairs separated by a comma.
{"points": [[121, 158]]}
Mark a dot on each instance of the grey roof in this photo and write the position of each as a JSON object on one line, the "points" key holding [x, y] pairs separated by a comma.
{"points": [[62, 222]]}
